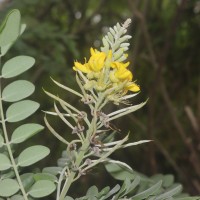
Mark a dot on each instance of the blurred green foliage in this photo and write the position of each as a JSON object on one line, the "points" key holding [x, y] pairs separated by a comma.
{"points": [[165, 58]]}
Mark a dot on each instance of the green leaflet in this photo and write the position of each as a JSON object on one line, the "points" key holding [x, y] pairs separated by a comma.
{"points": [[10, 28], [68, 198], [8, 187], [150, 191], [45, 176], [16, 66], [92, 192], [5, 48], [42, 188], [4, 162], [7, 174], [172, 191], [21, 110], [32, 155], [119, 172], [17, 197], [27, 180], [52, 170], [24, 132], [17, 90]]}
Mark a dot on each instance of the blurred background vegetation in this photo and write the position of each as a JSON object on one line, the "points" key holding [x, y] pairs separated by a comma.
{"points": [[165, 58]]}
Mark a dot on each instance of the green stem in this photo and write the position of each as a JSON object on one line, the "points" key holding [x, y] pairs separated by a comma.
{"points": [[71, 176], [83, 150], [7, 142]]}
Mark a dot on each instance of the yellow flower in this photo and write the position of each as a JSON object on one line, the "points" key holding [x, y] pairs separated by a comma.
{"points": [[133, 87], [97, 60], [95, 63], [119, 65], [121, 73], [82, 67]]}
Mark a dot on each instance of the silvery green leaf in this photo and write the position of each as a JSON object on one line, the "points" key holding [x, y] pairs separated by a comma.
{"points": [[17, 197], [113, 191], [24, 132], [27, 180], [17, 90], [52, 170], [67, 88], [170, 193], [8, 187], [5, 48], [42, 188], [150, 191], [125, 111], [4, 162], [92, 192], [32, 155], [45, 176], [112, 31], [119, 172], [21, 110], [136, 143], [134, 184], [23, 28], [168, 180], [9, 174], [68, 198], [16, 66], [10, 28]]}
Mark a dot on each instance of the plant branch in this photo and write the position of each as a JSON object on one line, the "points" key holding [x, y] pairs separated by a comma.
{"points": [[7, 143]]}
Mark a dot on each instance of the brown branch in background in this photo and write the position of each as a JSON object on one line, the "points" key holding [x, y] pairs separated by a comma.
{"points": [[170, 160], [193, 120], [140, 15], [138, 36], [159, 81], [198, 102], [194, 158]]}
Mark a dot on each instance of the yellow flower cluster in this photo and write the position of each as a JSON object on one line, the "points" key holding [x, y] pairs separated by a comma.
{"points": [[106, 73]]}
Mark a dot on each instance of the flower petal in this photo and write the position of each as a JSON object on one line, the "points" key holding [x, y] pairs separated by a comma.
{"points": [[84, 68], [133, 87]]}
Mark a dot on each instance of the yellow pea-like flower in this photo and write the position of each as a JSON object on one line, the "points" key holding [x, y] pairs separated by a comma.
{"points": [[133, 87], [119, 65], [97, 60], [82, 67], [121, 74]]}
